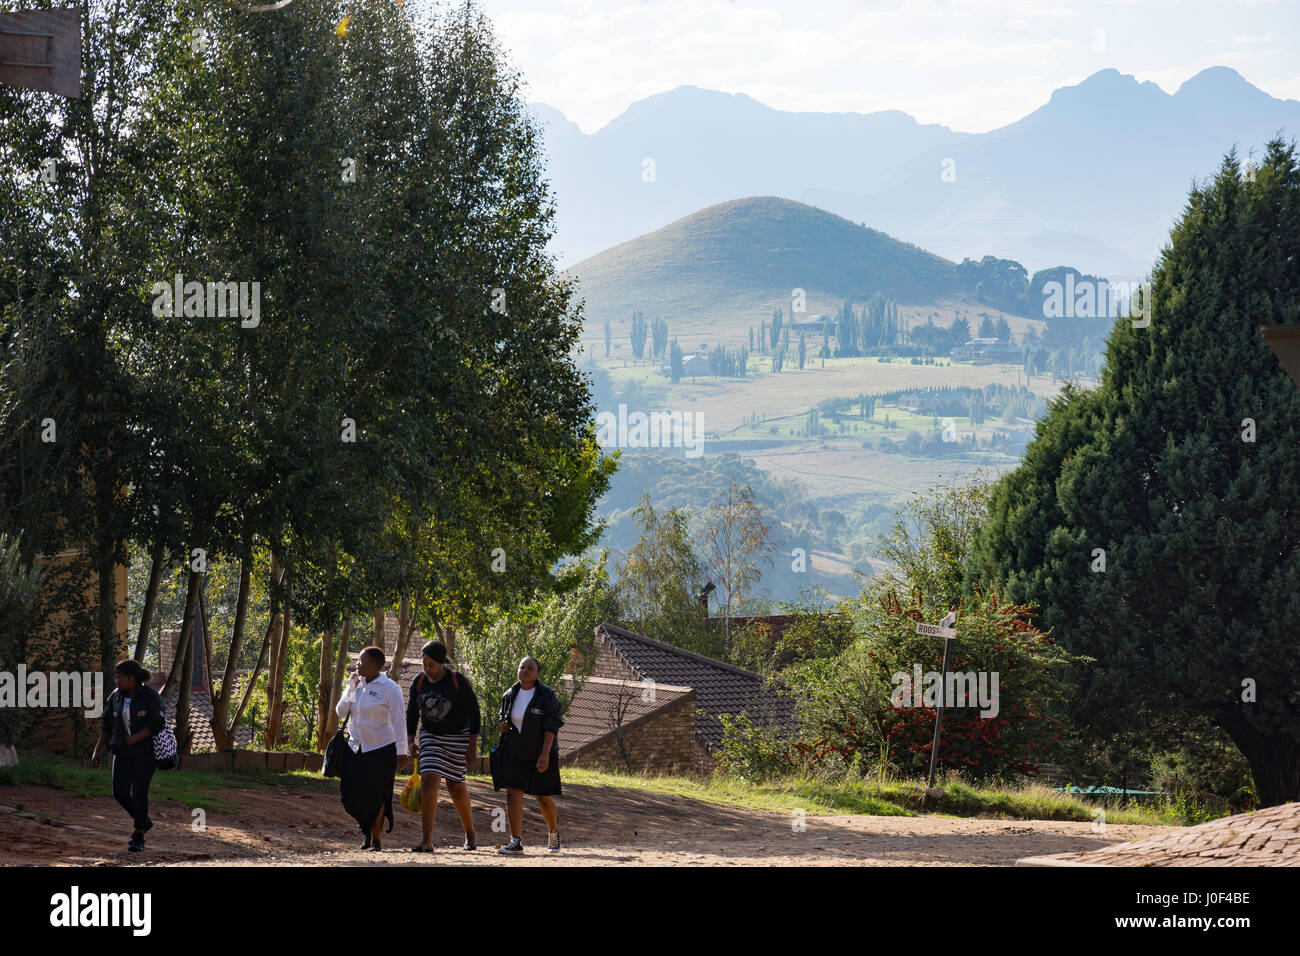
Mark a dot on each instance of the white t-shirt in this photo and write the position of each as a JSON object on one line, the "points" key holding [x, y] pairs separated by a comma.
{"points": [[520, 708]]}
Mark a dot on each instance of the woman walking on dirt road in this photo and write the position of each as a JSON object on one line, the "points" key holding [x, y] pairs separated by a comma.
{"points": [[445, 708], [530, 755], [377, 734], [132, 715]]}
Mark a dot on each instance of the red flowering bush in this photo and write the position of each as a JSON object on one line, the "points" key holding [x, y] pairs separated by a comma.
{"points": [[868, 698]]}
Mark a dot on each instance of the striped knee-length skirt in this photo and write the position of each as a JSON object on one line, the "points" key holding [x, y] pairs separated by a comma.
{"points": [[444, 754]]}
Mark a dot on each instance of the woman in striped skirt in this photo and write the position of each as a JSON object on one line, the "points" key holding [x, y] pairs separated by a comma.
{"points": [[444, 706]]}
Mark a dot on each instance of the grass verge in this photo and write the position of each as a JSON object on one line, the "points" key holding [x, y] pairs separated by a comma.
{"points": [[193, 789], [894, 798]]}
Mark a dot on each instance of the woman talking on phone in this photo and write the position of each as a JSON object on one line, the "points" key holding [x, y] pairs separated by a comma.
{"points": [[378, 735]]}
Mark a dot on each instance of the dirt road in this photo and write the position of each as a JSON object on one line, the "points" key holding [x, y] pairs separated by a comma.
{"points": [[307, 827]]}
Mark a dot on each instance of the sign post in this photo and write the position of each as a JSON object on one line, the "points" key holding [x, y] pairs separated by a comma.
{"points": [[948, 632]]}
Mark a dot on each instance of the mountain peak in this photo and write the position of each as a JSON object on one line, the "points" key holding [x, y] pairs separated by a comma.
{"points": [[1106, 86], [1217, 80]]}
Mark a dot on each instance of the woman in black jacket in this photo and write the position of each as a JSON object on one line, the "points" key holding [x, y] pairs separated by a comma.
{"points": [[530, 754], [132, 715]]}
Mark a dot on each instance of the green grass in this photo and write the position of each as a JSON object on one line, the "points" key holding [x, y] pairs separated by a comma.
{"points": [[193, 789], [1032, 801], [894, 798]]}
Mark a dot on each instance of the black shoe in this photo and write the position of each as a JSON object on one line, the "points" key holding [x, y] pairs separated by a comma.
{"points": [[514, 848], [470, 845], [376, 847], [137, 842], [366, 845], [421, 848]]}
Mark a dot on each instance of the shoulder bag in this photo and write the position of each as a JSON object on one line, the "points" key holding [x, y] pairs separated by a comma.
{"points": [[338, 752]]}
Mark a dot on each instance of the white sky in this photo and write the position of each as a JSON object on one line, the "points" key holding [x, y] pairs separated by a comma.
{"points": [[972, 65]]}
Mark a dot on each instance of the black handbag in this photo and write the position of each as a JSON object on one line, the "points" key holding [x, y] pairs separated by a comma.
{"points": [[338, 752], [494, 763]]}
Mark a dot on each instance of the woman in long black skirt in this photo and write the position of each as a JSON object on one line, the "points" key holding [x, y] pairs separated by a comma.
{"points": [[530, 754], [378, 738]]}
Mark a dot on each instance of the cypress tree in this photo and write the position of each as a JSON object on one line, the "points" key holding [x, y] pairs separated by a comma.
{"points": [[1195, 615]]}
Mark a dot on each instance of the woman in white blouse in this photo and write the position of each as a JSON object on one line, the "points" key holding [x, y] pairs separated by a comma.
{"points": [[377, 733]]}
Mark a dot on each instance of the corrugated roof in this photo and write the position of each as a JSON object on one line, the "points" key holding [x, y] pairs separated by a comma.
{"points": [[719, 688]]}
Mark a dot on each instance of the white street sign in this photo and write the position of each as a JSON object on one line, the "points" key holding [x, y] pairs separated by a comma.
{"points": [[936, 630]]}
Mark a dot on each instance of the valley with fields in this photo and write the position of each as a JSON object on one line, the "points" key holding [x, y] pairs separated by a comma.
{"points": [[815, 355]]}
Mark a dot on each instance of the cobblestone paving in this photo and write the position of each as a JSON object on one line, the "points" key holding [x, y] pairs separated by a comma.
{"points": [[1264, 838]]}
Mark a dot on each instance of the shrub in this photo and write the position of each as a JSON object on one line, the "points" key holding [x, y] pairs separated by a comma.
{"points": [[750, 751]]}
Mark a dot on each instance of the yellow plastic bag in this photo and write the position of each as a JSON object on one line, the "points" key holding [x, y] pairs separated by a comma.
{"points": [[411, 792]]}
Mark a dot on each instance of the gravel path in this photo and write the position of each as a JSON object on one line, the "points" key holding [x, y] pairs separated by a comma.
{"points": [[600, 825]]}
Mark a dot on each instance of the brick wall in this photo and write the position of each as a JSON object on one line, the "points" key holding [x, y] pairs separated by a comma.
{"points": [[167, 641], [609, 664], [417, 640], [661, 742]]}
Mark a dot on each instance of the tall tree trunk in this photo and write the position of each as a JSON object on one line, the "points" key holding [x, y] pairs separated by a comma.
{"points": [[177, 673], [448, 637], [271, 626], [150, 598], [273, 661], [107, 492], [336, 685], [274, 586], [207, 643], [405, 626], [381, 615], [183, 733], [108, 638], [275, 715], [221, 701], [324, 686], [1274, 763]]}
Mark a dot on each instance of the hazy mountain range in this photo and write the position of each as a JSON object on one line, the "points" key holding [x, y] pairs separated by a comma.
{"points": [[1093, 179]]}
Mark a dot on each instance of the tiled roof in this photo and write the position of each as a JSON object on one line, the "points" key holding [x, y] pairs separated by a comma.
{"points": [[201, 739], [719, 688], [594, 710]]}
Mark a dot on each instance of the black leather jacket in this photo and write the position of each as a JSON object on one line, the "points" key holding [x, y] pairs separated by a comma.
{"points": [[146, 713], [543, 714]]}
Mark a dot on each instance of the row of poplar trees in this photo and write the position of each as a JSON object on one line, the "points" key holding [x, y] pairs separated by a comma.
{"points": [[403, 426]]}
